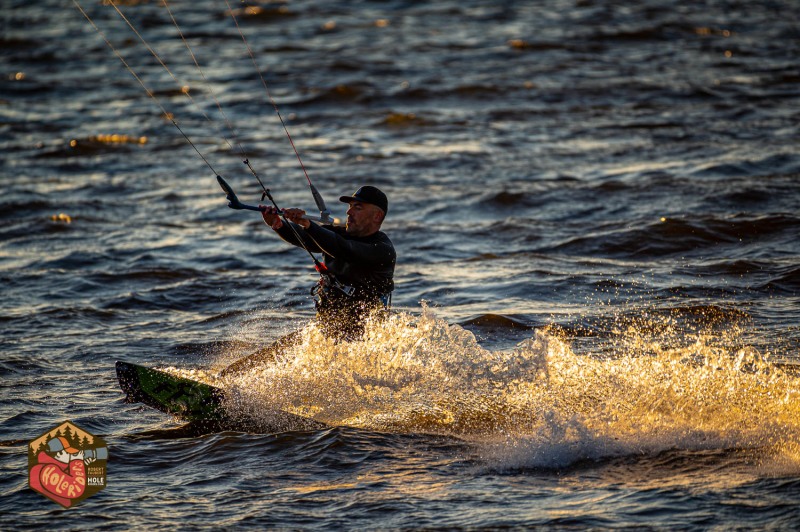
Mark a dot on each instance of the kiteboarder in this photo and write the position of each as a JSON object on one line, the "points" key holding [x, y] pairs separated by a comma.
{"points": [[357, 268], [356, 272], [358, 260]]}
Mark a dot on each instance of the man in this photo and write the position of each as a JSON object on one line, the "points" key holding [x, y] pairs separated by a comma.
{"points": [[356, 277]]}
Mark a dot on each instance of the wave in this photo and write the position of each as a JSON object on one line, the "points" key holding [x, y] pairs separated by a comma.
{"points": [[13, 209], [660, 32], [260, 14], [158, 273], [735, 267], [75, 260], [91, 314], [365, 92], [18, 43], [495, 321], [87, 147], [513, 199], [787, 282], [353, 92], [778, 165], [671, 236]]}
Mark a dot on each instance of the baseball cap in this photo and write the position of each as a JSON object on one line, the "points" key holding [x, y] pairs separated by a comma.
{"points": [[368, 194]]}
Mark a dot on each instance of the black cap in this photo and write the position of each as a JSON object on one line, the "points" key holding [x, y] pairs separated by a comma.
{"points": [[368, 194]]}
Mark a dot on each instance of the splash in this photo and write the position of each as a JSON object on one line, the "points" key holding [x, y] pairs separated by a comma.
{"points": [[541, 400], [409, 373]]}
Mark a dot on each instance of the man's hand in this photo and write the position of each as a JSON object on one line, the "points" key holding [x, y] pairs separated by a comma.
{"points": [[296, 216], [271, 217]]}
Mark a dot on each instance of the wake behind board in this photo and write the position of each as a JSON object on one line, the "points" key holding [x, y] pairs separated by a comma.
{"points": [[199, 403]]}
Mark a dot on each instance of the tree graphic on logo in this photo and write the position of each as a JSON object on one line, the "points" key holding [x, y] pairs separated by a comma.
{"points": [[67, 464]]}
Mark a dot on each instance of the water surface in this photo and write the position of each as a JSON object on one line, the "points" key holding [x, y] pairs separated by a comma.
{"points": [[594, 205]]}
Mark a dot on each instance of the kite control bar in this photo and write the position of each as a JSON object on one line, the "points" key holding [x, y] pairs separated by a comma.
{"points": [[234, 203]]}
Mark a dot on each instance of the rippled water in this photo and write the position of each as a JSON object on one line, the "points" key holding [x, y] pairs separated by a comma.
{"points": [[594, 205]]}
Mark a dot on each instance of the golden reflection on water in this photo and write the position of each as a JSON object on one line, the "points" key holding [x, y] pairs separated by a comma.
{"points": [[315, 488]]}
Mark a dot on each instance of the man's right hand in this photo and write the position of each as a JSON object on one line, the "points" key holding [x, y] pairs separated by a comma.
{"points": [[271, 217]]}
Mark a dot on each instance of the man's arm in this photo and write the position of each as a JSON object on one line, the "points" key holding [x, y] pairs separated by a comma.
{"points": [[289, 234], [377, 253]]}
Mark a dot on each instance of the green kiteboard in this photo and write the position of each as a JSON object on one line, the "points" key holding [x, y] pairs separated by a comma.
{"points": [[199, 403]]}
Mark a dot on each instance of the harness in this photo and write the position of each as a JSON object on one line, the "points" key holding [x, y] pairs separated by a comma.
{"points": [[328, 282]]}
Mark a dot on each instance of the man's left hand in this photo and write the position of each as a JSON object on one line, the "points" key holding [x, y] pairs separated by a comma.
{"points": [[296, 216]]}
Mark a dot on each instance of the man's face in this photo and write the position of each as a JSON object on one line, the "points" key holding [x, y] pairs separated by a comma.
{"points": [[363, 219]]}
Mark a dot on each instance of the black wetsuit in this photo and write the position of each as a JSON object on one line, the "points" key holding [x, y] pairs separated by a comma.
{"points": [[359, 277]]}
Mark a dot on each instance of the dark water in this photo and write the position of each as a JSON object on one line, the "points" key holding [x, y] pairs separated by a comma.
{"points": [[595, 207]]}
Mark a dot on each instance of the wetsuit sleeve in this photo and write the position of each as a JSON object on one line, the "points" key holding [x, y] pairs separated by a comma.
{"points": [[289, 236], [375, 253]]}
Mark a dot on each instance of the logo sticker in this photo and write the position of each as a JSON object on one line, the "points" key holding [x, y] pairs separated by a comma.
{"points": [[67, 464]]}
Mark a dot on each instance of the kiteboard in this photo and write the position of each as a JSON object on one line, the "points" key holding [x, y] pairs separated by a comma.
{"points": [[199, 403]]}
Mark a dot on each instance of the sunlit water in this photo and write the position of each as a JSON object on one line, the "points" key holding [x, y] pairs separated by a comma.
{"points": [[595, 211]]}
